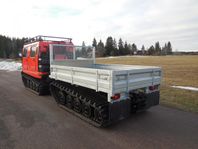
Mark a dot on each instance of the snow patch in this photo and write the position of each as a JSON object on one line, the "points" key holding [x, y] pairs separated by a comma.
{"points": [[10, 66], [110, 57], [186, 88]]}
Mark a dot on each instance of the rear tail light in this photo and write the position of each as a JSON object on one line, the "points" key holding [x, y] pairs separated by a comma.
{"points": [[115, 97], [153, 87]]}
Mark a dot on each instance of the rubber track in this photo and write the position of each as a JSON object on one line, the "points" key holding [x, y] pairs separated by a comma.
{"points": [[41, 87], [86, 96]]}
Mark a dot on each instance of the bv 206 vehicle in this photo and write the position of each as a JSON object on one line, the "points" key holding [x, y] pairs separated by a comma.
{"points": [[36, 63], [100, 94]]}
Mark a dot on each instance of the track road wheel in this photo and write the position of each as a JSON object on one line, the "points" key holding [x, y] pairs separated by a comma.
{"points": [[69, 100], [34, 86], [31, 85], [86, 110], [77, 105], [101, 115], [37, 88], [24, 81], [28, 83], [60, 96], [98, 116]]}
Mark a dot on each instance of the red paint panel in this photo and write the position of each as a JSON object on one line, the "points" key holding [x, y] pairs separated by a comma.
{"points": [[30, 61]]}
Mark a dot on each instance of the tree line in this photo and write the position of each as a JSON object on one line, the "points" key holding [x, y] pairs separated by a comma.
{"points": [[112, 48], [11, 47]]}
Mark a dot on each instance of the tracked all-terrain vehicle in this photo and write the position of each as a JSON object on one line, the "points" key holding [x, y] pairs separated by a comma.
{"points": [[100, 94]]}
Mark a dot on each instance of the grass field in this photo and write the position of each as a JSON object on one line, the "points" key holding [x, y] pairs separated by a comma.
{"points": [[177, 70]]}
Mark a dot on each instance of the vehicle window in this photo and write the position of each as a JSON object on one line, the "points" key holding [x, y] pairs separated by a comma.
{"points": [[33, 51], [62, 52], [25, 52]]}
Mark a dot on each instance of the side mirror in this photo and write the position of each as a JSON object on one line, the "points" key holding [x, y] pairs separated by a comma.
{"points": [[20, 54]]}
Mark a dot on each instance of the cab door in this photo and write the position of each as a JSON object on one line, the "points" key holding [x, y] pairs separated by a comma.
{"points": [[33, 59], [25, 59]]}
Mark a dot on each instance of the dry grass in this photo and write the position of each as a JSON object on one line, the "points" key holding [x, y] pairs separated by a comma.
{"points": [[177, 70]]}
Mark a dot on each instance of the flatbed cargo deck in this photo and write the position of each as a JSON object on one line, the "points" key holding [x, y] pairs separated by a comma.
{"points": [[110, 79]]}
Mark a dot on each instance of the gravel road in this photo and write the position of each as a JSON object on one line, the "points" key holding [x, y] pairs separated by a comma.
{"points": [[28, 121]]}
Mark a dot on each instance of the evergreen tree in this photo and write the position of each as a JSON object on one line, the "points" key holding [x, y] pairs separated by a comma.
{"points": [[157, 48], [134, 49], [130, 48], [151, 50], [126, 48], [143, 50], [121, 47], [101, 49], [94, 44], [83, 44], [2, 52], [169, 48], [8, 47], [116, 51], [164, 49], [115, 44], [83, 51], [109, 46]]}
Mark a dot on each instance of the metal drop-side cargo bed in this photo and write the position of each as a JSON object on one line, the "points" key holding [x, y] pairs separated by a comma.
{"points": [[110, 79], [109, 92]]}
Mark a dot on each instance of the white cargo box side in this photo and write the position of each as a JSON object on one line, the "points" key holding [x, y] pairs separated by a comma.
{"points": [[109, 81]]}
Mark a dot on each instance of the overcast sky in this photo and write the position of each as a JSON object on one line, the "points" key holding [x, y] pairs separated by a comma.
{"points": [[136, 21]]}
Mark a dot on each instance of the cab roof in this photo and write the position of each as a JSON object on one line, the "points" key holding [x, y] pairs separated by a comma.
{"points": [[46, 38]]}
